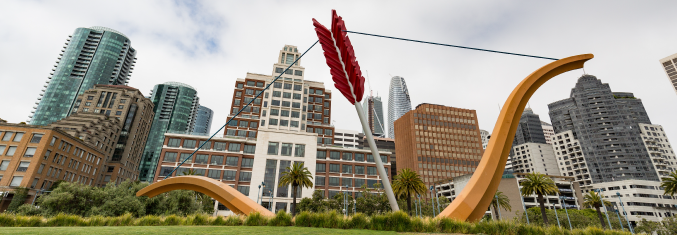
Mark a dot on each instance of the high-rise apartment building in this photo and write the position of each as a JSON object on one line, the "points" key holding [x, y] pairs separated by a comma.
{"points": [[95, 55], [287, 124], [374, 108], [485, 138], [670, 66], [35, 157], [530, 151], [605, 124], [659, 149], [203, 120], [438, 142], [399, 102], [135, 113], [175, 108], [548, 132]]}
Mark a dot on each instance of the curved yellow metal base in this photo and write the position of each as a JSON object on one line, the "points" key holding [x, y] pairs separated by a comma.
{"points": [[226, 195], [473, 201]]}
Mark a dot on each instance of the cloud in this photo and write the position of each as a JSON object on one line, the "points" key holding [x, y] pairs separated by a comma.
{"points": [[209, 44]]}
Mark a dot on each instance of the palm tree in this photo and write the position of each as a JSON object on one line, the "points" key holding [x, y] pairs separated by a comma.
{"points": [[296, 175], [593, 199], [670, 184], [539, 184], [501, 200], [408, 182]]}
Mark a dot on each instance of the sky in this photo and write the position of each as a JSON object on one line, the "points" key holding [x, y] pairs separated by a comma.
{"points": [[209, 44]]}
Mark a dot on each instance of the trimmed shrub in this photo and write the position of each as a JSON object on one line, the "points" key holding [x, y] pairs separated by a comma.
{"points": [[28, 221], [172, 220], [97, 221], [63, 220], [303, 219], [282, 218], [197, 219], [149, 220], [331, 219], [417, 225], [359, 221], [218, 221], [398, 221], [6, 220], [234, 220], [448, 225], [255, 219]]}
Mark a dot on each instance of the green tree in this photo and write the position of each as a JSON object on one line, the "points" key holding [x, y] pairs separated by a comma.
{"points": [[408, 183], [539, 184], [296, 175], [314, 204], [593, 199], [500, 200], [20, 196], [670, 184]]}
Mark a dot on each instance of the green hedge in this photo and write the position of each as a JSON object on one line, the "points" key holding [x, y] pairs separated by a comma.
{"points": [[398, 221]]}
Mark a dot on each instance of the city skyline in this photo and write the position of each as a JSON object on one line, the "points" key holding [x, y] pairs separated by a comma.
{"points": [[202, 57]]}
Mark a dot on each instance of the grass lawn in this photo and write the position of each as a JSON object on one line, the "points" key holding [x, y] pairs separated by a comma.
{"points": [[186, 230]]}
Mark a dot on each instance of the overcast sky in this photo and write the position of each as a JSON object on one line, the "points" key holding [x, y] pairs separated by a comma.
{"points": [[209, 44]]}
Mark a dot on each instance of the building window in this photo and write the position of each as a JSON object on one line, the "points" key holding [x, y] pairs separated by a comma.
{"points": [[185, 156], [233, 147], [298, 72], [36, 138], [359, 170], [348, 169], [206, 146], [189, 144], [18, 136], [272, 148], [334, 181], [321, 154], [284, 122], [273, 122], [216, 160], [348, 182], [359, 182], [169, 157], [214, 174], [371, 170], [30, 151], [16, 181], [370, 158], [320, 167], [231, 161], [201, 159], [286, 149], [220, 146], [250, 149], [243, 189], [319, 181], [348, 156], [245, 176], [247, 162], [229, 175], [174, 143], [359, 157], [334, 155], [300, 150], [11, 150], [334, 168]]}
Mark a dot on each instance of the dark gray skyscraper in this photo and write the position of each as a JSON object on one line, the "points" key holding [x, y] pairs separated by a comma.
{"points": [[606, 124], [175, 109], [529, 129], [91, 56], [399, 102], [203, 121]]}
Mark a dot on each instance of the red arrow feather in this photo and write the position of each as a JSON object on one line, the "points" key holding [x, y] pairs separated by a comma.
{"points": [[340, 56]]}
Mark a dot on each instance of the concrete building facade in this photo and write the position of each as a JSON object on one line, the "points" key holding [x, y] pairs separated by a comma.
{"points": [[669, 66], [659, 149], [349, 138]]}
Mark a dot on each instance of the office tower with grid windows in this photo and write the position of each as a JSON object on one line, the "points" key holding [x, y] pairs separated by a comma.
{"points": [[175, 108], [399, 102], [438, 142], [135, 113], [530, 151], [373, 106], [203, 120], [288, 124], [95, 55], [598, 136]]}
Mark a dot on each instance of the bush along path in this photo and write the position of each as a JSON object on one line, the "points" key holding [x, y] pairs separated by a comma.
{"points": [[398, 221]]}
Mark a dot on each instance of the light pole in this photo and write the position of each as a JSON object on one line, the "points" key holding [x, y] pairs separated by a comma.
{"points": [[420, 209], [345, 202], [439, 207], [432, 201], [524, 206], [619, 218], [626, 214], [271, 200], [416, 207], [259, 195], [555, 209], [565, 210], [599, 193]]}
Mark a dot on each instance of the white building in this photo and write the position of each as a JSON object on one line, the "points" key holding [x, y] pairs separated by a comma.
{"points": [[548, 132], [669, 64], [641, 199], [570, 159], [534, 157], [659, 149], [348, 138], [485, 138]]}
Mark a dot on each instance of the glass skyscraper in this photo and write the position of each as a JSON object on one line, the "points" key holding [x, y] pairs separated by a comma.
{"points": [[176, 106], [203, 121], [399, 102], [91, 56]]}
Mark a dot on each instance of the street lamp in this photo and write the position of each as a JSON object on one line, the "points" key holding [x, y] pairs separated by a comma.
{"points": [[626, 214], [555, 209], [271, 200], [259, 195], [619, 217], [565, 210], [420, 209], [439, 207], [523, 205], [599, 193], [432, 201]]}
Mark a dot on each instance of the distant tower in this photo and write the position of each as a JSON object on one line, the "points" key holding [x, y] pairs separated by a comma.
{"points": [[485, 138], [374, 108], [175, 109], [670, 66], [399, 102], [91, 56], [203, 121]]}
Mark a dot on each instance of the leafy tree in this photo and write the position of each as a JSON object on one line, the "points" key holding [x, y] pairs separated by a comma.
{"points": [[314, 204], [296, 175], [539, 184], [593, 199], [408, 183], [372, 202], [500, 200], [670, 184], [20, 196]]}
